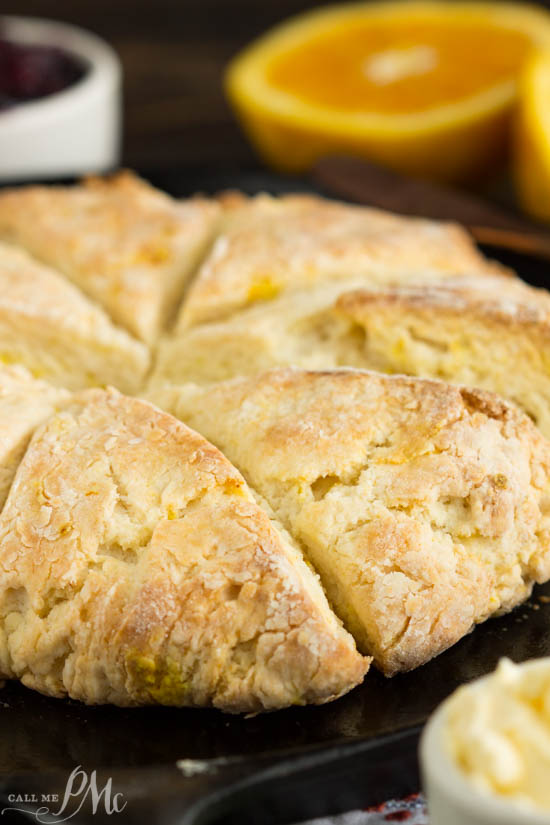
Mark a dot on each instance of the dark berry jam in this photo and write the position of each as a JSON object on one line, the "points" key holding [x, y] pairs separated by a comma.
{"points": [[30, 71]]}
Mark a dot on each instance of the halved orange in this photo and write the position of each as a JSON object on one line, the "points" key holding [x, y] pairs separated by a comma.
{"points": [[532, 147], [424, 87]]}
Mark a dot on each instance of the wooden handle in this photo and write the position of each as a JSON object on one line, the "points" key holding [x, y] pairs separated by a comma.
{"points": [[373, 185], [531, 243]]}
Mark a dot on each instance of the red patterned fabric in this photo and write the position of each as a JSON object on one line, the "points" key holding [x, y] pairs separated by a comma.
{"points": [[411, 810]]}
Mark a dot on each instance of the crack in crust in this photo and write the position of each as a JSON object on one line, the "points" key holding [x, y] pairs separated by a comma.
{"points": [[124, 243], [423, 506], [137, 568], [24, 404], [270, 246]]}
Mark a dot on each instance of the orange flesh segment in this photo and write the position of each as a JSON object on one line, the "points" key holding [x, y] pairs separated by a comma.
{"points": [[399, 68]]}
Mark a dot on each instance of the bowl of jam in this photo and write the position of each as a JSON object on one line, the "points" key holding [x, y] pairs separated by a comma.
{"points": [[32, 71], [59, 101]]}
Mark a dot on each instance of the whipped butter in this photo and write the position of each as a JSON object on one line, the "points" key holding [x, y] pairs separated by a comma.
{"points": [[498, 732]]}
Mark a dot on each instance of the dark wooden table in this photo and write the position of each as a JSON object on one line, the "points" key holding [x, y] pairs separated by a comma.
{"points": [[173, 53]]}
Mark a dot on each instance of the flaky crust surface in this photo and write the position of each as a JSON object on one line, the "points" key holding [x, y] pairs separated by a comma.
{"points": [[424, 506], [137, 568], [501, 298], [125, 244], [268, 246], [488, 333]]}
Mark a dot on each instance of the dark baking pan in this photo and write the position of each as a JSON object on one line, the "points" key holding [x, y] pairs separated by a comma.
{"points": [[268, 769]]}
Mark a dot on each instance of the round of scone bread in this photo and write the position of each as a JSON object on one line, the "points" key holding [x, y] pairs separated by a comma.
{"points": [[138, 563]]}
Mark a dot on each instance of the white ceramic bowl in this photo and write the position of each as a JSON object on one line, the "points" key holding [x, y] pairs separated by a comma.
{"points": [[452, 798], [70, 132]]}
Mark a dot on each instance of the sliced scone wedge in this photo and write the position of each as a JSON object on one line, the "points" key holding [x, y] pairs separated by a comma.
{"points": [[24, 404], [483, 332], [491, 332], [268, 246], [137, 569], [50, 327], [125, 244], [423, 506]]}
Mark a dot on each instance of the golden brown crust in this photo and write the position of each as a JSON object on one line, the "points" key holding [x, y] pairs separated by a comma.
{"points": [[422, 505], [125, 244], [137, 569], [492, 333], [268, 246], [504, 299]]}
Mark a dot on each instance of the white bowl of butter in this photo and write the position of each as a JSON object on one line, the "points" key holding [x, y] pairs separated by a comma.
{"points": [[485, 753]]}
